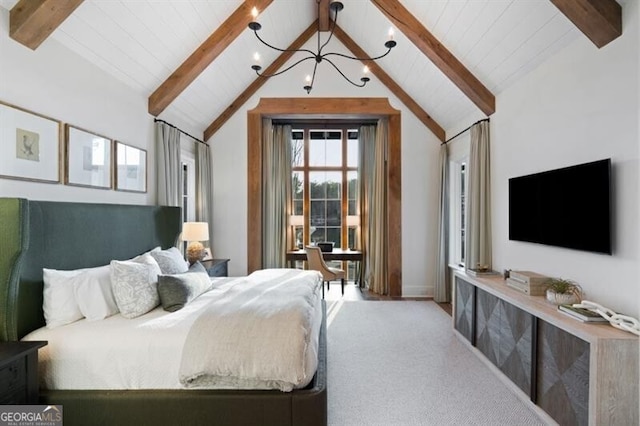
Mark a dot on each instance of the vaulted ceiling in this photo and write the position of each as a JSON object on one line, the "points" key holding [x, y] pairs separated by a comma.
{"points": [[192, 59]]}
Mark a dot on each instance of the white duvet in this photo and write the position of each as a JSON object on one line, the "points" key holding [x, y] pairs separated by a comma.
{"points": [[149, 352]]}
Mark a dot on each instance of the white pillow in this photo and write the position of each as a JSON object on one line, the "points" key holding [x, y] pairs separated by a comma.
{"points": [[59, 301], [135, 285], [93, 293], [170, 261]]}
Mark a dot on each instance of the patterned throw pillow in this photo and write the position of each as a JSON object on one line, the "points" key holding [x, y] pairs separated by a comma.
{"points": [[170, 261], [135, 285]]}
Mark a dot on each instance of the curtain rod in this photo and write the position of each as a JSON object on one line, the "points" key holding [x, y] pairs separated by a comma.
{"points": [[337, 123], [453, 137], [156, 120]]}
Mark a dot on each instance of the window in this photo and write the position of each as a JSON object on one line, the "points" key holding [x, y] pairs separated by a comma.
{"points": [[325, 185], [462, 207], [188, 182], [457, 201]]}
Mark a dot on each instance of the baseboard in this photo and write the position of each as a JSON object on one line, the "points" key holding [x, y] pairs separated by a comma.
{"points": [[417, 291]]}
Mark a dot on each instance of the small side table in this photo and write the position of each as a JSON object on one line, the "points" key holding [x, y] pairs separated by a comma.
{"points": [[19, 372], [216, 267]]}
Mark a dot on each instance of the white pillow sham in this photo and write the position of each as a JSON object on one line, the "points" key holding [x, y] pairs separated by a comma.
{"points": [[69, 296], [94, 294], [58, 298], [135, 285]]}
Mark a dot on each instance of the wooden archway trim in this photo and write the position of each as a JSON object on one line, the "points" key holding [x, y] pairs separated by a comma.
{"points": [[326, 108]]}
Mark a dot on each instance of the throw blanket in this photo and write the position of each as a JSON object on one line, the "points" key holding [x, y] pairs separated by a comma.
{"points": [[258, 333]]}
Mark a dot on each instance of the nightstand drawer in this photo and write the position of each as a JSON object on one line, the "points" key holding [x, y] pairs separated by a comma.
{"points": [[13, 376], [15, 397]]}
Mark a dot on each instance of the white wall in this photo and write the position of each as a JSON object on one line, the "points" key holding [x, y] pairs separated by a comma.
{"points": [[581, 105], [419, 170], [56, 82]]}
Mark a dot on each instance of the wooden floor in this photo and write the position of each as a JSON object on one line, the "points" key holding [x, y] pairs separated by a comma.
{"points": [[353, 293]]}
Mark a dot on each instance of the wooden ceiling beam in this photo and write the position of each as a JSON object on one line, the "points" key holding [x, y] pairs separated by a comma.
{"points": [[324, 16], [32, 21], [438, 54], [203, 56], [599, 20], [390, 83], [260, 81]]}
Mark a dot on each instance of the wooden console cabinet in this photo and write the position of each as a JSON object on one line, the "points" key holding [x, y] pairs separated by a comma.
{"points": [[578, 373]]}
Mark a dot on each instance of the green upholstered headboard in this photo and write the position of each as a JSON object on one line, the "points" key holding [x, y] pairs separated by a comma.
{"points": [[59, 235]]}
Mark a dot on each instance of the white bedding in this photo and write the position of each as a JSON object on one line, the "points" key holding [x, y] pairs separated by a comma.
{"points": [[146, 352]]}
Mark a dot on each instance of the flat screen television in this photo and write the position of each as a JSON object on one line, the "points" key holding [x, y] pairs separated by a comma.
{"points": [[568, 207]]}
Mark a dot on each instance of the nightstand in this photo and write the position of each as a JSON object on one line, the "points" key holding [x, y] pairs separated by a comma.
{"points": [[19, 372], [216, 267]]}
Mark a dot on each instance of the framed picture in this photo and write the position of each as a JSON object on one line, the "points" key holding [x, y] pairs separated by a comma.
{"points": [[88, 159], [30, 145], [207, 254], [130, 168]]}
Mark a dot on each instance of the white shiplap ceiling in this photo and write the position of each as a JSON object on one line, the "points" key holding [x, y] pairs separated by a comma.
{"points": [[141, 42]]}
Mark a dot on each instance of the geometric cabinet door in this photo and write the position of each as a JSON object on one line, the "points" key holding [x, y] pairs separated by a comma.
{"points": [[464, 309], [563, 375], [504, 334]]}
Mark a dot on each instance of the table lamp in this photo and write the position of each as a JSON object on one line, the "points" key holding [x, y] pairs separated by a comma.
{"points": [[294, 222], [354, 222], [194, 232]]}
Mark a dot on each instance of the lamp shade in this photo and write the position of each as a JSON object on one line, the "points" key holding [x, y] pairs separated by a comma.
{"points": [[195, 231], [296, 220], [353, 220]]}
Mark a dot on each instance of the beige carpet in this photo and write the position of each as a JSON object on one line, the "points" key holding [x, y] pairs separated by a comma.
{"points": [[398, 363]]}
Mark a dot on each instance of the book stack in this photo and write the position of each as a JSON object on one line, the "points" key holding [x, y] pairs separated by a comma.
{"points": [[581, 314], [481, 272], [528, 282]]}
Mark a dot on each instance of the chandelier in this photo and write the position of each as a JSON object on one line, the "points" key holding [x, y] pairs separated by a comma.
{"points": [[318, 56]]}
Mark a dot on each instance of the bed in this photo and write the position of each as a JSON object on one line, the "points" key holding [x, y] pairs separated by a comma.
{"points": [[36, 235]]}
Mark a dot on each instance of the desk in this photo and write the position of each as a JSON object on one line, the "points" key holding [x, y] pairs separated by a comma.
{"points": [[336, 254]]}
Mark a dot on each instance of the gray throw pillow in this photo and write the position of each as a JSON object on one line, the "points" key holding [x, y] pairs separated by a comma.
{"points": [[176, 290], [170, 261], [197, 267]]}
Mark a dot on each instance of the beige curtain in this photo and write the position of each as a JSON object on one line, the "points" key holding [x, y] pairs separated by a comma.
{"points": [[442, 292], [366, 141], [373, 195], [276, 195], [478, 227], [204, 188], [168, 165]]}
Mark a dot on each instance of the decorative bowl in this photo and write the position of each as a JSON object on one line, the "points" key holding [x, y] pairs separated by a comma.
{"points": [[562, 298]]}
